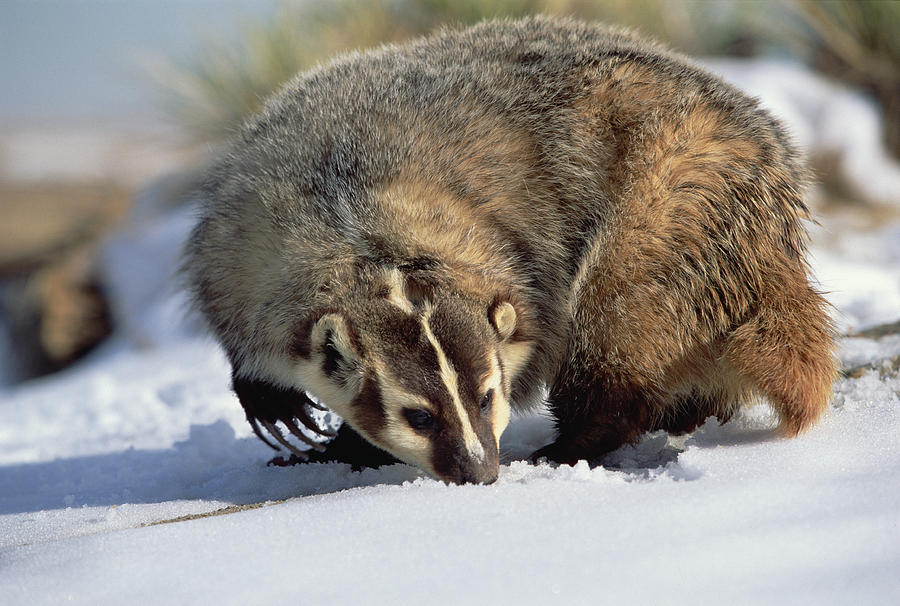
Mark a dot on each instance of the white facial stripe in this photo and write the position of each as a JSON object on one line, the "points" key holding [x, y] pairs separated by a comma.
{"points": [[449, 378], [501, 410], [397, 296]]}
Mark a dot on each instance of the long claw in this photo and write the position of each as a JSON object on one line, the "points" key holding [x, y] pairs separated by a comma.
{"points": [[259, 433], [313, 404], [276, 433], [302, 415], [296, 431]]}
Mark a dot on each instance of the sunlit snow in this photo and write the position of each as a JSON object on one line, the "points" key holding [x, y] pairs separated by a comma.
{"points": [[147, 430]]}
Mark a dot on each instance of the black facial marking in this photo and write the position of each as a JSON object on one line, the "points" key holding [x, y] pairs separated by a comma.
{"points": [[419, 419], [466, 347], [487, 402], [408, 349], [333, 357], [368, 409], [464, 335]]}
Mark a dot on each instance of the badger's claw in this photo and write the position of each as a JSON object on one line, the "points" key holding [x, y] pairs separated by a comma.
{"points": [[313, 404], [292, 427], [290, 421], [276, 433], [266, 404], [259, 433], [302, 414]]}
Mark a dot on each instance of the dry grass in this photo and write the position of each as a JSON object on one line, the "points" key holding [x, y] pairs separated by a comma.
{"points": [[41, 221], [211, 514], [857, 41], [214, 91], [51, 300]]}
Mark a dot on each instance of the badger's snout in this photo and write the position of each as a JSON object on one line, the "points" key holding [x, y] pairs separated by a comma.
{"points": [[479, 476], [464, 467]]}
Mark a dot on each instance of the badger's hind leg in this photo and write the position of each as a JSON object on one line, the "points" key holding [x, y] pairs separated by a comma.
{"points": [[599, 410], [783, 351], [622, 379]]}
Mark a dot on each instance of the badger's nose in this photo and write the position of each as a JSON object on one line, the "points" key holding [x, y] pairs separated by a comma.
{"points": [[476, 478], [463, 466], [478, 473]]}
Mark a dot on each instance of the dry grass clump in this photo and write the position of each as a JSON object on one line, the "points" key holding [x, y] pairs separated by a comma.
{"points": [[214, 91], [53, 305], [857, 41]]}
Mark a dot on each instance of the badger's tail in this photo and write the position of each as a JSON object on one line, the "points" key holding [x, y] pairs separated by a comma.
{"points": [[786, 349]]}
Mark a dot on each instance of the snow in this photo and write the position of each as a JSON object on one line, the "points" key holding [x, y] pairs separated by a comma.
{"points": [[147, 430], [817, 112], [860, 274]]}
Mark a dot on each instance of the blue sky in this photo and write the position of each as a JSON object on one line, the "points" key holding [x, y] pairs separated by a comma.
{"points": [[63, 60]]}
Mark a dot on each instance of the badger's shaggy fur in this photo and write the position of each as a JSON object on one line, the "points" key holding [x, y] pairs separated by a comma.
{"points": [[544, 201]]}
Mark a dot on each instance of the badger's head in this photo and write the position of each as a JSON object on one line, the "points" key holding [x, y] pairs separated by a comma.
{"points": [[425, 378]]}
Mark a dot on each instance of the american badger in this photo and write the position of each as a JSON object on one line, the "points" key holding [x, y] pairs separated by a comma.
{"points": [[422, 237]]}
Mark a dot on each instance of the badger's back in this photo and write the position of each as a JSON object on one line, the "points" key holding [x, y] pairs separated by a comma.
{"points": [[511, 151]]}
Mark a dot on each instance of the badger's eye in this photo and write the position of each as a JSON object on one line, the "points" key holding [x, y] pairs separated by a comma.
{"points": [[419, 419], [487, 400]]}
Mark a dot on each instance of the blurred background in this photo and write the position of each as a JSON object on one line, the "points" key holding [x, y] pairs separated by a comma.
{"points": [[109, 110]]}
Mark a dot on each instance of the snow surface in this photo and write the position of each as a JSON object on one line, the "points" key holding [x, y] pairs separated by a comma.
{"points": [[146, 430], [825, 118]]}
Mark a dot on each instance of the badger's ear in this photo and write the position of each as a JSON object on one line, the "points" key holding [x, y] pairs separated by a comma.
{"points": [[503, 319], [508, 322], [335, 352]]}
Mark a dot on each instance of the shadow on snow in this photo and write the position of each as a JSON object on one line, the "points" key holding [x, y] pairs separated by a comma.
{"points": [[213, 464]]}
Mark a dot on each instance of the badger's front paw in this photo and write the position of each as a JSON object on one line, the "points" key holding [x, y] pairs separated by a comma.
{"points": [[556, 452], [266, 404], [347, 447]]}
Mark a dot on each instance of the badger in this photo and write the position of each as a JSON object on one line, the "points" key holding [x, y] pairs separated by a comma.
{"points": [[424, 237]]}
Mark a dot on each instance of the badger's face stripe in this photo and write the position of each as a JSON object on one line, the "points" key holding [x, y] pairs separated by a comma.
{"points": [[450, 381], [443, 358], [397, 292], [497, 381], [437, 363]]}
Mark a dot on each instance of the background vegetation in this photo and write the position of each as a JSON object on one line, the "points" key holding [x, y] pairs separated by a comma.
{"points": [[857, 41], [53, 301]]}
